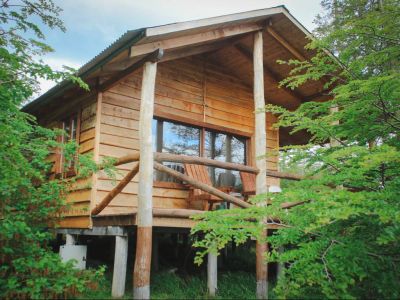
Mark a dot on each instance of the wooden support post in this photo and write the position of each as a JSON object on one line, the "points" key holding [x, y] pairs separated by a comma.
{"points": [[141, 277], [212, 274], [260, 138], [280, 266], [120, 261], [262, 269], [70, 239]]}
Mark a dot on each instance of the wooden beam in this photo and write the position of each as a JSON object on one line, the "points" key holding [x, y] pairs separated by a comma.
{"points": [[168, 157], [195, 39], [285, 44], [260, 140], [152, 57], [120, 65], [141, 277], [200, 49], [269, 73], [176, 213], [204, 187], [284, 175], [115, 191], [173, 54]]}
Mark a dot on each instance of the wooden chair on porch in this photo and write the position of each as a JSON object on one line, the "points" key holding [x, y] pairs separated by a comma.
{"points": [[248, 184], [200, 173]]}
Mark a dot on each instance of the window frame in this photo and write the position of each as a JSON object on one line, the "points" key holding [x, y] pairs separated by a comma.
{"points": [[203, 127], [61, 170]]}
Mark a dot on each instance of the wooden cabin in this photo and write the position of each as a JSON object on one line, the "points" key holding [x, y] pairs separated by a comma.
{"points": [[189, 89]]}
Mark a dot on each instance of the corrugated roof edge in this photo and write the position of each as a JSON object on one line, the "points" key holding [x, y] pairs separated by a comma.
{"points": [[124, 41]]}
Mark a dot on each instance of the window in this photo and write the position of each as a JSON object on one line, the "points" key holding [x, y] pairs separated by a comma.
{"points": [[71, 133], [175, 138], [178, 138], [227, 148]]}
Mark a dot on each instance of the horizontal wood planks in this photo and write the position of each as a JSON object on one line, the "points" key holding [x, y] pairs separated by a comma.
{"points": [[191, 89], [76, 213]]}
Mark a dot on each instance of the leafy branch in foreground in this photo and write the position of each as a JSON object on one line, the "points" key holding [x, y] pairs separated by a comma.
{"points": [[29, 202], [343, 242]]}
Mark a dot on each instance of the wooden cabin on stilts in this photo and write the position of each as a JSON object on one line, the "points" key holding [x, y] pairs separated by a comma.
{"points": [[171, 99]]}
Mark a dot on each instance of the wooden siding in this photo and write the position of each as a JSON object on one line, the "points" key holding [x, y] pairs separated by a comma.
{"points": [[189, 90], [76, 213]]}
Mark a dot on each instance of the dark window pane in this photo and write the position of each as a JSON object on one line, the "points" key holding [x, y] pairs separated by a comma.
{"points": [[74, 122], [67, 130]]}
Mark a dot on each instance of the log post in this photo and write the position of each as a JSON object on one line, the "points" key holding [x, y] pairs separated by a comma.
{"points": [[120, 261], [260, 138], [212, 273], [141, 277]]}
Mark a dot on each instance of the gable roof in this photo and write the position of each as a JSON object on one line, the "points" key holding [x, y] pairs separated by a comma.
{"points": [[142, 37]]}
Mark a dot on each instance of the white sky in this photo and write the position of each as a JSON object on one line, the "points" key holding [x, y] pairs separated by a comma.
{"points": [[92, 25]]}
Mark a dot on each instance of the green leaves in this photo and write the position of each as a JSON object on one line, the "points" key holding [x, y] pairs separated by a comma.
{"points": [[343, 242], [29, 202]]}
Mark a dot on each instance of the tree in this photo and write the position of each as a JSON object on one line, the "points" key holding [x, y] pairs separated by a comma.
{"points": [[30, 202], [343, 242]]}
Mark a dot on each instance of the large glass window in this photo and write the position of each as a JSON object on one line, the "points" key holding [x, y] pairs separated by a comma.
{"points": [[228, 148], [175, 138], [170, 137]]}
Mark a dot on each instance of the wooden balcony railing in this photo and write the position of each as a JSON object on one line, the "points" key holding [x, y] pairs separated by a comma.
{"points": [[167, 157]]}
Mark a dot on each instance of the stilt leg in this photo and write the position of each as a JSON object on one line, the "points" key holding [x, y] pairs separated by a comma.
{"points": [[212, 264], [120, 261], [261, 270]]}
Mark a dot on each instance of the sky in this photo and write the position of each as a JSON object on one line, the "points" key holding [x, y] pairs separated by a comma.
{"points": [[92, 25]]}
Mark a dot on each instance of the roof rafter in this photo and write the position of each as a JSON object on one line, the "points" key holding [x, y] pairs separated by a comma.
{"points": [[268, 72], [285, 44]]}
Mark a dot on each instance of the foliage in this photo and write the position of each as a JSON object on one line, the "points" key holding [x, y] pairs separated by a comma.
{"points": [[29, 202], [343, 242]]}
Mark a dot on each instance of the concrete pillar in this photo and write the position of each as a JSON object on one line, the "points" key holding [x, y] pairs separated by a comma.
{"points": [[70, 239], [212, 274], [120, 261]]}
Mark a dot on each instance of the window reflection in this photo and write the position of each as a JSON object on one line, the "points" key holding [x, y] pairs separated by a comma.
{"points": [[181, 139], [175, 138], [225, 147]]}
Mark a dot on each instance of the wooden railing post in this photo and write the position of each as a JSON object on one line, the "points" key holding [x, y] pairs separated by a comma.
{"points": [[260, 138], [141, 276]]}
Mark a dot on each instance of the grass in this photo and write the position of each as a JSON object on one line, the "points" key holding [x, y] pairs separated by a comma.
{"points": [[236, 278], [166, 285]]}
